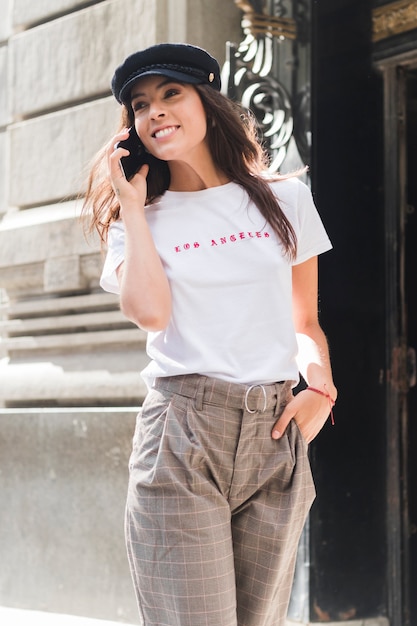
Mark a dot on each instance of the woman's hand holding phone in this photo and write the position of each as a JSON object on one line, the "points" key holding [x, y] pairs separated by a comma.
{"points": [[137, 156], [128, 169], [145, 296]]}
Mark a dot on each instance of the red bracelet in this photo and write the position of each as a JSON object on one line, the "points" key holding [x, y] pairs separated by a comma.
{"points": [[326, 395]]}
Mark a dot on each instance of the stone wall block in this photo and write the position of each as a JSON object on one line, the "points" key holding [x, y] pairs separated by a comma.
{"points": [[6, 19], [4, 119], [212, 24], [52, 254], [205, 23], [3, 173], [28, 12], [38, 242], [73, 58], [19, 280], [4, 108], [56, 149], [91, 267], [63, 274]]}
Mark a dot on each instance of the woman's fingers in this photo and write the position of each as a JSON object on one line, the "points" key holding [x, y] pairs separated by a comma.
{"points": [[309, 412], [141, 174], [129, 193], [114, 154], [281, 424]]}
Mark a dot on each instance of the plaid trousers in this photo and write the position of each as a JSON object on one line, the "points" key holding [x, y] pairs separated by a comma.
{"points": [[215, 506]]}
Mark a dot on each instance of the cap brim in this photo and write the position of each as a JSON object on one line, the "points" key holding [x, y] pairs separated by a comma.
{"points": [[124, 95]]}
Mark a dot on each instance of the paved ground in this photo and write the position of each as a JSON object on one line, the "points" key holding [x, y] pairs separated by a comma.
{"points": [[17, 617]]}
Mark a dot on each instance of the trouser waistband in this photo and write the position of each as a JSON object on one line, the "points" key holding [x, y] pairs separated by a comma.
{"points": [[206, 390]]}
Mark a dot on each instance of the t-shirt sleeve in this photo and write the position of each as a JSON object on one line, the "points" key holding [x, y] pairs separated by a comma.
{"points": [[296, 201], [114, 257], [312, 238]]}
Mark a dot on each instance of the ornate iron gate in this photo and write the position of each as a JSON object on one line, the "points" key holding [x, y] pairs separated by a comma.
{"points": [[269, 73]]}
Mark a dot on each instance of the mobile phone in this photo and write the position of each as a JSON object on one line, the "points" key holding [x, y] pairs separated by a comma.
{"points": [[137, 157]]}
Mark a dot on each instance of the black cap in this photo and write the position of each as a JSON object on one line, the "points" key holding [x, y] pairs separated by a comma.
{"points": [[182, 62]]}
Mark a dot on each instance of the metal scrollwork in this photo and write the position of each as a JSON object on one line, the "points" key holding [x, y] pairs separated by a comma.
{"points": [[267, 99], [251, 75]]}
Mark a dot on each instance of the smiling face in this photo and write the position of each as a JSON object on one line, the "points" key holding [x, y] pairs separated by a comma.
{"points": [[170, 119]]}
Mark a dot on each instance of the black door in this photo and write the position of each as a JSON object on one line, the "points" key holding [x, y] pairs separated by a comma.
{"points": [[410, 296], [401, 338]]}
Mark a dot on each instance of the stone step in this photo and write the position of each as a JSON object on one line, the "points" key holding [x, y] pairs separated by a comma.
{"points": [[75, 341], [50, 306], [45, 384], [58, 324]]}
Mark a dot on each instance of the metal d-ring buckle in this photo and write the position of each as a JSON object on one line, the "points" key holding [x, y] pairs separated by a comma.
{"points": [[248, 390]]}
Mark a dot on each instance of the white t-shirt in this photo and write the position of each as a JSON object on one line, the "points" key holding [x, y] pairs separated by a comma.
{"points": [[230, 282]]}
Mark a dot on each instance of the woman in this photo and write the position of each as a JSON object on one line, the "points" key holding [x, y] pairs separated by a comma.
{"points": [[218, 262]]}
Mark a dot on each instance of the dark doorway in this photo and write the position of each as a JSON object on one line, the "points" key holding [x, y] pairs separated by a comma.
{"points": [[348, 521], [410, 221], [400, 81]]}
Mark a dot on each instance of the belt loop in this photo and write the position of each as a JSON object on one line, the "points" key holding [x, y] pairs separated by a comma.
{"points": [[199, 398], [278, 403]]}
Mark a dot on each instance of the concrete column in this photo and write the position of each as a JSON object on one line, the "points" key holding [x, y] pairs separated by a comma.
{"points": [[63, 483]]}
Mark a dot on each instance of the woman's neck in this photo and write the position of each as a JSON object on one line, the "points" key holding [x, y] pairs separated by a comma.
{"points": [[185, 177]]}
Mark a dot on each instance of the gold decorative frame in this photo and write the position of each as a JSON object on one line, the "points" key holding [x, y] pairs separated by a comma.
{"points": [[393, 19], [262, 24]]}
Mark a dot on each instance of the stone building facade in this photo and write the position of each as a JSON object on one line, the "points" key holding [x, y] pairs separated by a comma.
{"points": [[69, 361]]}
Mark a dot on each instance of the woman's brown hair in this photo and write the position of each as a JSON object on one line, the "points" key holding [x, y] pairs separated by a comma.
{"points": [[236, 151]]}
